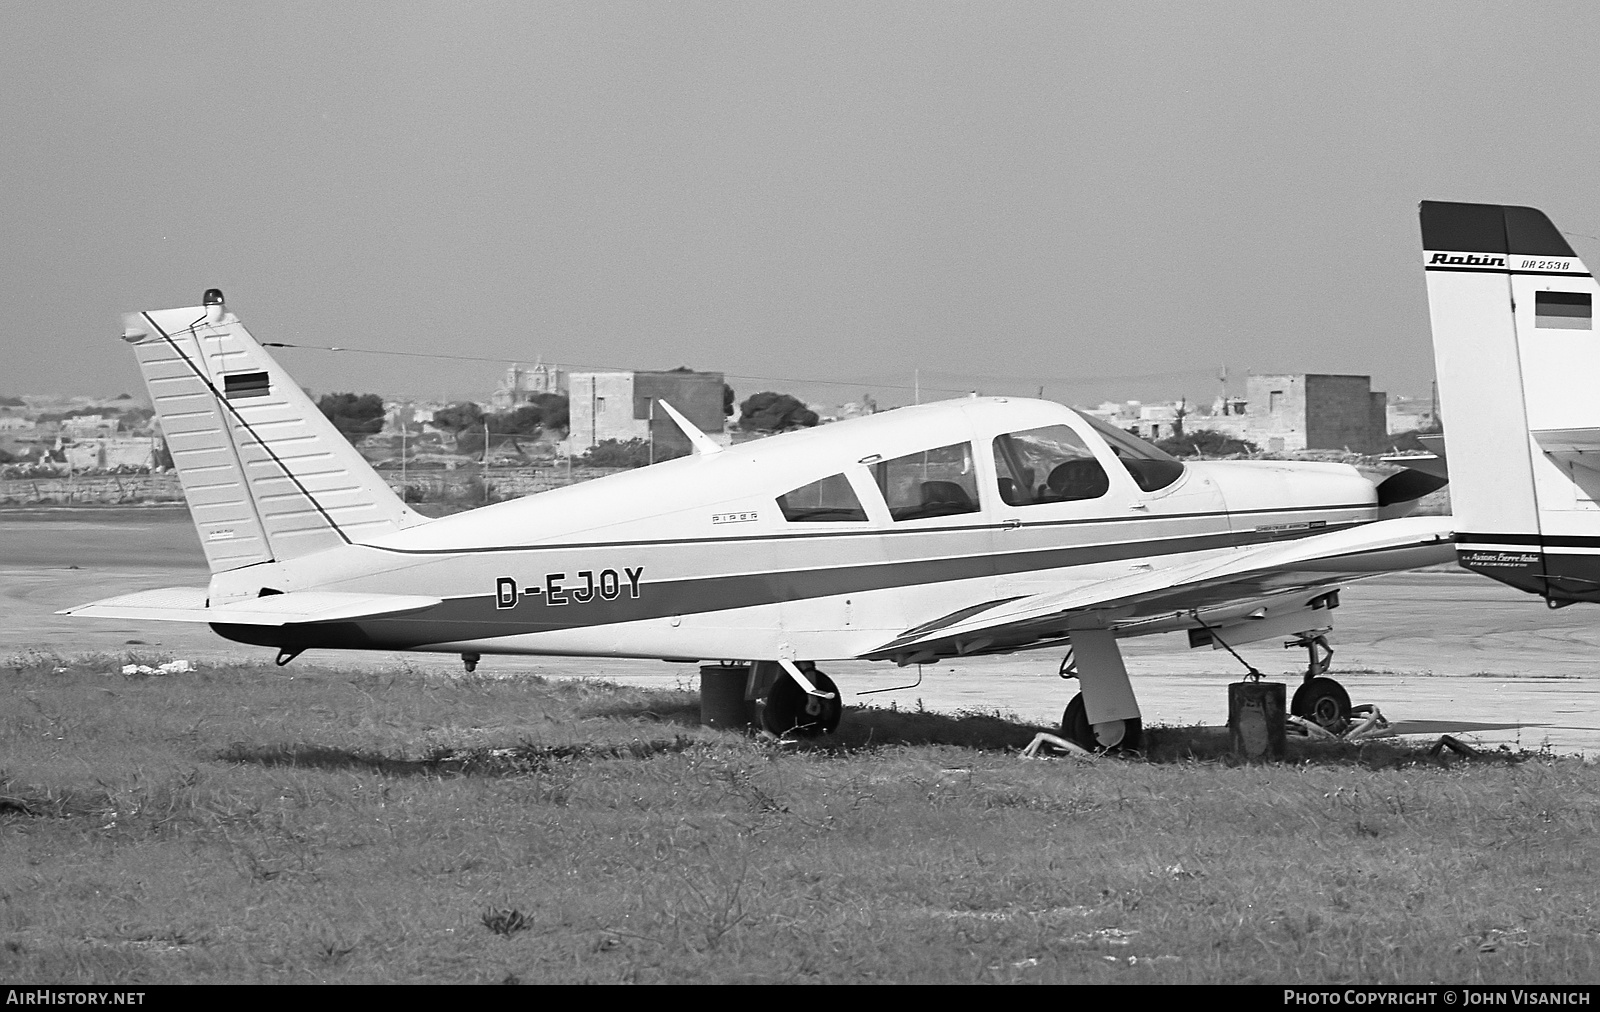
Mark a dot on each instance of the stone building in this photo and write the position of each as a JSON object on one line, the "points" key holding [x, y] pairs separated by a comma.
{"points": [[1286, 413], [622, 406]]}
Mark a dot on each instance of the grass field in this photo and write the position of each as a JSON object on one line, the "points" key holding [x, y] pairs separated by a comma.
{"points": [[251, 823]]}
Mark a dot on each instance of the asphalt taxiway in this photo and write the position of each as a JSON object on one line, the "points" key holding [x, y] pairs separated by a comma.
{"points": [[1436, 651]]}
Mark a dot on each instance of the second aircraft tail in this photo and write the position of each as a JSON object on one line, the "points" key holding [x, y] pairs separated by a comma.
{"points": [[1518, 365]]}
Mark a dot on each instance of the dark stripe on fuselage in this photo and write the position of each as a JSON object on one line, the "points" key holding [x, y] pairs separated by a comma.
{"points": [[477, 617], [1546, 540], [854, 531]]}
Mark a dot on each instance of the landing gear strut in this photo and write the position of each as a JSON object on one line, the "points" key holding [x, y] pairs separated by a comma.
{"points": [[1320, 699], [1094, 659]]}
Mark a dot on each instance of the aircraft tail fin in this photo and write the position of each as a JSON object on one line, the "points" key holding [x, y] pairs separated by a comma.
{"points": [[267, 477], [1512, 308]]}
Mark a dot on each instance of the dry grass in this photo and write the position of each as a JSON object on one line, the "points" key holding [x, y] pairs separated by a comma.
{"points": [[250, 823]]}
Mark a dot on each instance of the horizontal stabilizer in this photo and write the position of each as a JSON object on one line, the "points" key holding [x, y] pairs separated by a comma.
{"points": [[188, 604], [1577, 441]]}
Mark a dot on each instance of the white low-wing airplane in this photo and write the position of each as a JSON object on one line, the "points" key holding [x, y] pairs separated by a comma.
{"points": [[972, 526], [1519, 366]]}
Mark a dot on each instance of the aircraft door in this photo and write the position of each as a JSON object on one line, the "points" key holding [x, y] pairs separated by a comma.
{"points": [[1089, 502], [830, 567], [1053, 496]]}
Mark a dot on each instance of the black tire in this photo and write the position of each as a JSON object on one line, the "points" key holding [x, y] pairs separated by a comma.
{"points": [[1116, 736], [1322, 701], [788, 709]]}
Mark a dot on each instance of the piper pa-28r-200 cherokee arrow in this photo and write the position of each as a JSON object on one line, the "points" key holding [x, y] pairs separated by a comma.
{"points": [[973, 526]]}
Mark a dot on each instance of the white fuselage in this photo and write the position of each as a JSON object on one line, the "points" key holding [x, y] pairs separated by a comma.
{"points": [[694, 559]]}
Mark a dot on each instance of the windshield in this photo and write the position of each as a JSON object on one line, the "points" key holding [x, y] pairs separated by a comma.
{"points": [[1152, 469]]}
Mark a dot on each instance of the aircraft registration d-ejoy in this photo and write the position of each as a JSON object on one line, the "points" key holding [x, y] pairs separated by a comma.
{"points": [[973, 526], [1513, 340]]}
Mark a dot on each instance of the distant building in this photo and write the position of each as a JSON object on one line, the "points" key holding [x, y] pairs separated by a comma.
{"points": [[1287, 413], [1408, 414], [622, 406], [104, 452], [1149, 421], [521, 383], [409, 416], [90, 426], [867, 405]]}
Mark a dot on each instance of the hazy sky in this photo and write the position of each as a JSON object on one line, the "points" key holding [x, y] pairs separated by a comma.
{"points": [[1097, 198]]}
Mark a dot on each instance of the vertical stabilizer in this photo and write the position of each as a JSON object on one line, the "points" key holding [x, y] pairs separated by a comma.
{"points": [[1518, 365], [267, 477]]}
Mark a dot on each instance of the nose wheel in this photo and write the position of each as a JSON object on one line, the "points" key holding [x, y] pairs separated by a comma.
{"points": [[789, 709], [1111, 735], [1320, 699]]}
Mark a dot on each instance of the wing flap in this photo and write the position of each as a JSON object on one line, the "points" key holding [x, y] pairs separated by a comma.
{"points": [[1257, 574], [188, 604]]}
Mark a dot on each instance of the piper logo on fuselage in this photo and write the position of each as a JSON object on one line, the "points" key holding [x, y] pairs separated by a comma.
{"points": [[1466, 260], [608, 585]]}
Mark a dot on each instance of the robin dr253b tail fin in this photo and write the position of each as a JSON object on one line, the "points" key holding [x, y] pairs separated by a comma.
{"points": [[1518, 362]]}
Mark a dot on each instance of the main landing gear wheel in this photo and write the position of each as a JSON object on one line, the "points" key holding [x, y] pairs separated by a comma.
{"points": [[789, 709], [1114, 735], [1322, 701]]}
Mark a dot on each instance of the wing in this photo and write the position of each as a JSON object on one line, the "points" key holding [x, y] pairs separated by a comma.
{"points": [[1260, 588], [188, 604]]}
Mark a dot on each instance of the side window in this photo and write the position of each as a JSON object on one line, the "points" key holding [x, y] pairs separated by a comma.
{"points": [[932, 483], [829, 500], [1049, 464]]}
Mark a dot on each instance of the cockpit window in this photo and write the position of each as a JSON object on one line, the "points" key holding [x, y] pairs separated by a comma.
{"points": [[1049, 464], [932, 483], [830, 500], [1152, 470]]}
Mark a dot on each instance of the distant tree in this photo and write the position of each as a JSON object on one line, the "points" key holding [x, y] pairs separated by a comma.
{"points": [[1206, 443], [124, 397], [774, 412], [504, 427], [12, 402], [6, 458], [727, 400], [555, 409], [354, 415], [526, 420], [459, 418], [615, 453]]}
